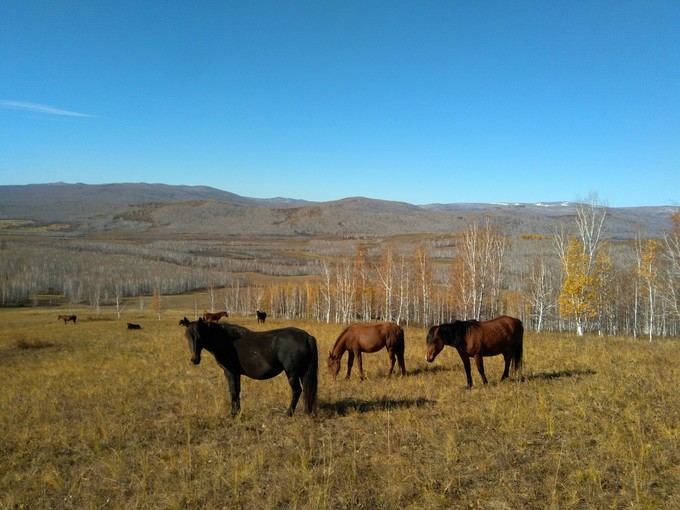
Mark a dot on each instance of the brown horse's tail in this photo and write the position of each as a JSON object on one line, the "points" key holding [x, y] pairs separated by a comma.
{"points": [[310, 381], [517, 355], [400, 344], [399, 350]]}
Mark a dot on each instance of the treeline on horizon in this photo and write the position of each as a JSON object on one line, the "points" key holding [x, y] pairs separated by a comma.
{"points": [[575, 280]]}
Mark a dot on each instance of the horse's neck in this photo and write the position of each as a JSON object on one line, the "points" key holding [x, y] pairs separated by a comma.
{"points": [[223, 350], [339, 348]]}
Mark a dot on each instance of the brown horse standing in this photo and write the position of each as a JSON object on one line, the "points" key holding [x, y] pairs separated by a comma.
{"points": [[214, 317], [359, 338], [502, 335], [67, 318]]}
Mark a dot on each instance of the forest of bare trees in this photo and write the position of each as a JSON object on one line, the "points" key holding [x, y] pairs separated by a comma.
{"points": [[575, 280]]}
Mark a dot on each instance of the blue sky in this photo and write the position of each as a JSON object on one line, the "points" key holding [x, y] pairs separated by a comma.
{"points": [[417, 101]]}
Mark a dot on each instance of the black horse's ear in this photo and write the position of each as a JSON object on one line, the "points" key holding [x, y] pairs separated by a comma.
{"points": [[200, 320]]}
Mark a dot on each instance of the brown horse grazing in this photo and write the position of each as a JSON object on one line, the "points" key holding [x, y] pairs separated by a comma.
{"points": [[502, 335], [359, 338], [214, 317], [67, 318]]}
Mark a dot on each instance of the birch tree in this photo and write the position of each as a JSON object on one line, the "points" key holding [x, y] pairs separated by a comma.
{"points": [[423, 281], [478, 268], [385, 272], [649, 273], [541, 291]]}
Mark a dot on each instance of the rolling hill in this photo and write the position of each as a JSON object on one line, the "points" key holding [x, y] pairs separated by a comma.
{"points": [[160, 209]]}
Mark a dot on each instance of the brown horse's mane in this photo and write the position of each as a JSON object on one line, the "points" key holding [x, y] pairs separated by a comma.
{"points": [[337, 342]]}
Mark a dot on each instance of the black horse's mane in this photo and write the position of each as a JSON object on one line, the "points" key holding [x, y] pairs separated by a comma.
{"points": [[235, 329], [464, 326]]}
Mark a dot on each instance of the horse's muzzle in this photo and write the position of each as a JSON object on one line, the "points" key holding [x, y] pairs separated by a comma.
{"points": [[429, 359], [196, 360]]}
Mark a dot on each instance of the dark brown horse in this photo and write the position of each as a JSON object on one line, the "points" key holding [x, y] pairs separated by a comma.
{"points": [[502, 335], [259, 355], [214, 317], [67, 318], [359, 338], [133, 326], [261, 317]]}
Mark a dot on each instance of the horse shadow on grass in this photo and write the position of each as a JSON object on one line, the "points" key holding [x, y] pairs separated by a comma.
{"points": [[561, 374], [429, 369], [350, 405]]}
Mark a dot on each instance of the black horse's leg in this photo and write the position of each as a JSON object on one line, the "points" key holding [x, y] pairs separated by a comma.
{"points": [[480, 366], [350, 361], [296, 388], [234, 381], [393, 359], [466, 364], [508, 358]]}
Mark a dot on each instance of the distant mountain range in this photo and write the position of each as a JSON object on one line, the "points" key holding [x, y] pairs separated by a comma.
{"points": [[79, 209]]}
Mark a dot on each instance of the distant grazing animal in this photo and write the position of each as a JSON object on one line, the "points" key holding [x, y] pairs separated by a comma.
{"points": [[214, 317], [359, 338], [259, 355], [67, 318], [261, 317], [502, 335], [184, 322], [133, 326]]}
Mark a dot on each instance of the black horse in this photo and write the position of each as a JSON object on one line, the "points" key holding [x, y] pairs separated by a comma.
{"points": [[261, 317], [259, 355]]}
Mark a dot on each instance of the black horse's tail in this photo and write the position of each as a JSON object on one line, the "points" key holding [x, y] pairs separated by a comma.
{"points": [[517, 355], [310, 381]]}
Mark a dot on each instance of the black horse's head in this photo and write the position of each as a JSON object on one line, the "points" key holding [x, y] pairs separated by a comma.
{"points": [[193, 335], [435, 343]]}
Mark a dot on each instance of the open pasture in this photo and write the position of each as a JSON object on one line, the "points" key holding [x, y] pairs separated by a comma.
{"points": [[96, 416]]}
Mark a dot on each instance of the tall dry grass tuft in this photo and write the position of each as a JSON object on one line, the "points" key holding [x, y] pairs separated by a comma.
{"points": [[96, 416]]}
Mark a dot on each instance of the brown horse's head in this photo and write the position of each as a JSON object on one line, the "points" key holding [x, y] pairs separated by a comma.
{"points": [[333, 365], [435, 344]]}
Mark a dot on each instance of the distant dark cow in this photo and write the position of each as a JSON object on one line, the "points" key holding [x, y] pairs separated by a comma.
{"points": [[261, 317], [214, 317], [134, 326], [67, 318], [184, 322]]}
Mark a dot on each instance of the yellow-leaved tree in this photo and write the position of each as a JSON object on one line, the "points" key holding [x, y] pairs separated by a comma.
{"points": [[586, 267], [650, 256], [584, 283]]}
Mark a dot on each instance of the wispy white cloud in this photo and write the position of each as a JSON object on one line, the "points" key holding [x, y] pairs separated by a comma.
{"points": [[40, 108]]}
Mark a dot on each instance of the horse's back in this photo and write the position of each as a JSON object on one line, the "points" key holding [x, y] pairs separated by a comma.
{"points": [[498, 335], [264, 354]]}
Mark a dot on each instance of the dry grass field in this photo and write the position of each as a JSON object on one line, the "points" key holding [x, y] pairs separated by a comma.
{"points": [[95, 416]]}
